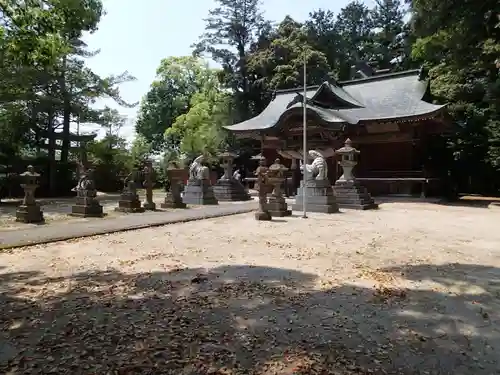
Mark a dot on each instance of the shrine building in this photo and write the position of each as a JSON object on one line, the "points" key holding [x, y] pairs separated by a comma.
{"points": [[388, 117]]}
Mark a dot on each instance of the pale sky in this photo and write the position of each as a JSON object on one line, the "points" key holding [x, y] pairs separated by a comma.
{"points": [[135, 37]]}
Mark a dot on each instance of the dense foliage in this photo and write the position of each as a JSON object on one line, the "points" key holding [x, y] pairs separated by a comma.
{"points": [[45, 84]]}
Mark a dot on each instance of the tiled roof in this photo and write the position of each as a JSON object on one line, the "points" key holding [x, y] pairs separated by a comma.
{"points": [[382, 97]]}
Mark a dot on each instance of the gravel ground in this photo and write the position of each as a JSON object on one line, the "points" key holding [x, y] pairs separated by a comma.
{"points": [[409, 289]]}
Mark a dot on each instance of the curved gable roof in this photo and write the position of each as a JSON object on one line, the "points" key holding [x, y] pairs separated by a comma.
{"points": [[384, 97]]}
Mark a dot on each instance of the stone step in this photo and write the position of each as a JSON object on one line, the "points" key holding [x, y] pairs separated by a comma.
{"points": [[280, 213], [351, 194], [349, 190], [355, 201], [325, 209], [368, 206]]}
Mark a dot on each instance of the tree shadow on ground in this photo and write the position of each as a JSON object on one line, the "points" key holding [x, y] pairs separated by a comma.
{"points": [[249, 320]]}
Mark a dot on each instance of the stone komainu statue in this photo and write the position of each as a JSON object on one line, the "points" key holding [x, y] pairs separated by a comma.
{"points": [[197, 171], [318, 169], [130, 184], [86, 185]]}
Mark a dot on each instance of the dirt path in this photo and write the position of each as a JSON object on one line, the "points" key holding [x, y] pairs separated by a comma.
{"points": [[411, 289]]}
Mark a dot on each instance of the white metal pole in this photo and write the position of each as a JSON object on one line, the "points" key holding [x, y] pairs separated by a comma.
{"points": [[304, 142]]}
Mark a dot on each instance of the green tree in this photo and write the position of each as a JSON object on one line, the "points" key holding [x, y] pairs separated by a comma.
{"points": [[140, 150], [354, 25], [281, 64], [177, 79], [231, 30], [200, 129], [459, 44], [390, 37], [324, 37]]}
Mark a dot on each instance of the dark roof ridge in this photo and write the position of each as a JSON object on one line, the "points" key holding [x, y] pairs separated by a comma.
{"points": [[354, 81], [380, 77]]}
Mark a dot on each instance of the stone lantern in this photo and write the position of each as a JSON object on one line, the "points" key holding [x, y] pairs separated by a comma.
{"points": [[349, 193], [176, 176], [263, 181], [29, 211], [228, 188], [276, 176], [349, 159], [148, 184], [227, 164]]}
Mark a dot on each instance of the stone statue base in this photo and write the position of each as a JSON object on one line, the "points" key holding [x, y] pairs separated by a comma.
{"points": [[230, 190], [149, 206], [29, 214], [350, 194], [86, 207], [263, 216], [199, 192], [278, 207], [129, 203], [319, 197], [172, 202]]}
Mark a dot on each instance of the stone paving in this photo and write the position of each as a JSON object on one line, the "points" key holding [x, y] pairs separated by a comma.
{"points": [[64, 230]]}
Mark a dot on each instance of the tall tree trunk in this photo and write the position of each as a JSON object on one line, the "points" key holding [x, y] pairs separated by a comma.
{"points": [[66, 114], [51, 150]]}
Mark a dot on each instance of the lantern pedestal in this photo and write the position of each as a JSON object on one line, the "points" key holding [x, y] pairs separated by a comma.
{"points": [[29, 214], [349, 193], [173, 198], [230, 190], [354, 196], [276, 204], [227, 188]]}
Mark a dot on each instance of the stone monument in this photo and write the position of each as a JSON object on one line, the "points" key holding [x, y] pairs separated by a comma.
{"points": [[318, 190], [29, 211], [262, 180], [277, 205], [349, 193], [199, 189], [173, 197], [148, 185], [129, 199], [228, 187], [86, 203]]}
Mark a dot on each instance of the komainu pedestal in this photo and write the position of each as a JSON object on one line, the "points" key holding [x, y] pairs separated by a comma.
{"points": [[86, 203], [320, 197], [129, 199], [199, 190], [349, 193], [318, 190], [228, 188]]}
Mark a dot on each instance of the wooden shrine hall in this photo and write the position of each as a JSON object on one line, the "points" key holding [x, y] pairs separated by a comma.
{"points": [[388, 118]]}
